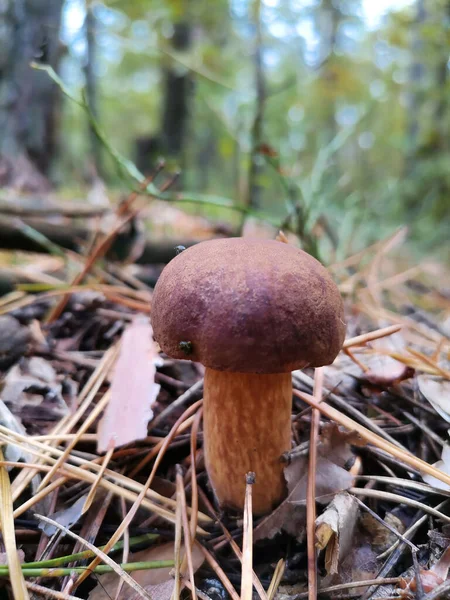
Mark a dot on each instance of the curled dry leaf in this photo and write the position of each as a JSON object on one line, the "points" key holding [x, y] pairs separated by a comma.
{"points": [[158, 582], [437, 391], [335, 528], [133, 388]]}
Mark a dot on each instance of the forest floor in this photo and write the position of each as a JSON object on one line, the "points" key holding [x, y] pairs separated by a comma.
{"points": [[93, 499]]}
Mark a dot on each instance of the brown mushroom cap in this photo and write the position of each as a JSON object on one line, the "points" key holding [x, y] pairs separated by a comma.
{"points": [[248, 305]]}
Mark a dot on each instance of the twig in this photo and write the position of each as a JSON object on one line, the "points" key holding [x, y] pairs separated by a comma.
{"points": [[194, 489], [311, 489], [247, 541]]}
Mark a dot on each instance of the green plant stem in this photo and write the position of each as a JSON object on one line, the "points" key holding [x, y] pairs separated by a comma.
{"points": [[99, 570], [63, 560]]}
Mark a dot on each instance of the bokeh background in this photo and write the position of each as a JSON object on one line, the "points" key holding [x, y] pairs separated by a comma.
{"points": [[329, 116]]}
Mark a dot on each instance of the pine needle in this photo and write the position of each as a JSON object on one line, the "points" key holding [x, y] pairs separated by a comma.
{"points": [[17, 580]]}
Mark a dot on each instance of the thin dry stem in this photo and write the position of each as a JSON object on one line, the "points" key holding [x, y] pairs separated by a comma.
{"points": [[311, 489], [96, 483], [219, 572], [247, 541], [194, 487]]}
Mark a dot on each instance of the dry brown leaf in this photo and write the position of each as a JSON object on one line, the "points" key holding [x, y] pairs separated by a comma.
{"points": [[336, 442], [158, 582], [133, 388], [290, 515], [437, 391], [335, 528]]}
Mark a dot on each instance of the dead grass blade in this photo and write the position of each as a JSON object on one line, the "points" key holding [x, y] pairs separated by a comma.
{"points": [[133, 389], [276, 579], [247, 542], [16, 577], [194, 488], [101, 557], [373, 438], [97, 482], [186, 533], [311, 489], [99, 407], [256, 582], [177, 550]]}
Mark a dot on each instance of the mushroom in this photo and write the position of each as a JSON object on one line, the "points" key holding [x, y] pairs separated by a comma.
{"points": [[251, 311]]}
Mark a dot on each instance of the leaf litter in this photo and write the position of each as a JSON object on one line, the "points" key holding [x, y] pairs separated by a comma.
{"points": [[97, 421]]}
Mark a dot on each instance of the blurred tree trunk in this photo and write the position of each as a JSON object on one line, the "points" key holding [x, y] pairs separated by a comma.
{"points": [[28, 97], [416, 93], [177, 88], [91, 85]]}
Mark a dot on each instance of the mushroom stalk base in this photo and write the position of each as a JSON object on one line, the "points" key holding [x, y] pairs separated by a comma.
{"points": [[247, 427]]}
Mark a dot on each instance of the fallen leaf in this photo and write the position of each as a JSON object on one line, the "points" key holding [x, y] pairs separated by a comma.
{"points": [[437, 391], [335, 528], [133, 388], [158, 582], [336, 441]]}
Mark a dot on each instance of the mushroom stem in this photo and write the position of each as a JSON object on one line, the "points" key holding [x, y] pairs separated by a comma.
{"points": [[247, 427]]}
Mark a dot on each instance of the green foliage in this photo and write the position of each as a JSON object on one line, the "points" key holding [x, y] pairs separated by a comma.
{"points": [[360, 139]]}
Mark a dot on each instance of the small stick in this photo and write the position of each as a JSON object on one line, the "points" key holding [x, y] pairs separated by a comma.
{"points": [[247, 541], [360, 340], [311, 489], [96, 483]]}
